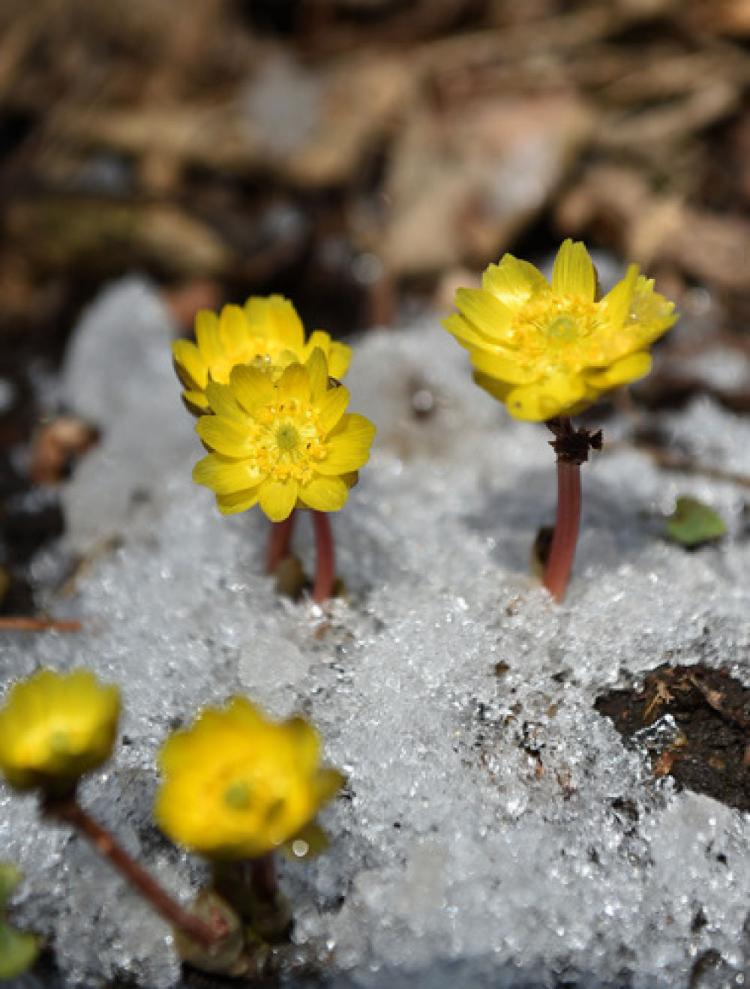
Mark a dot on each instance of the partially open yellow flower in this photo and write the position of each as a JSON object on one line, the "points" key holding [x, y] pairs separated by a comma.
{"points": [[550, 350], [237, 785], [283, 442], [54, 727], [266, 332]]}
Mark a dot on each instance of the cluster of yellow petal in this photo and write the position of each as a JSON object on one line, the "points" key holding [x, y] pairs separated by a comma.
{"points": [[54, 727], [283, 441], [237, 785], [266, 332], [546, 349]]}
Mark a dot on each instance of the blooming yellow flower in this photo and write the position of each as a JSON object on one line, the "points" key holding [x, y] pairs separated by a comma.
{"points": [[550, 350], [237, 785], [283, 442], [266, 332], [54, 727]]}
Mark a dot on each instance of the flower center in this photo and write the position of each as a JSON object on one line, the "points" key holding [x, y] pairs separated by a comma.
{"points": [[563, 328], [238, 795], [290, 441], [59, 742], [287, 437], [559, 332]]}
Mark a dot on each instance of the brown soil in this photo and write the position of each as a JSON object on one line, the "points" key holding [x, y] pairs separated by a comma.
{"points": [[706, 747]]}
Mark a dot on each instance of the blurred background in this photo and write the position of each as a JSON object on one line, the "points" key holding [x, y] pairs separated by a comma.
{"points": [[363, 157]]}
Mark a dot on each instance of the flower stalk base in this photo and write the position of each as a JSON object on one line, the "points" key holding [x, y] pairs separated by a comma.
{"points": [[325, 561], [279, 543], [251, 887], [572, 447]]}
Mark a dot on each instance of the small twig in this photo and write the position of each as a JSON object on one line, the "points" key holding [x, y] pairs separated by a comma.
{"points": [[676, 462], [70, 812], [29, 624]]}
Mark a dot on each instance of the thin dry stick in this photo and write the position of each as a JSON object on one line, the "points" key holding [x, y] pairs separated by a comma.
{"points": [[28, 624], [71, 812], [325, 562]]}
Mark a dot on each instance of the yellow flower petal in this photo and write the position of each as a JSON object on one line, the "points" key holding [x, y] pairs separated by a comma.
{"points": [[251, 386], [239, 501], [348, 448], [331, 407], [550, 397], [497, 364], [196, 402], [630, 368], [225, 476], [295, 382], [513, 281], [339, 359], [467, 333], [324, 494], [498, 389], [305, 741], [287, 326], [227, 436], [207, 335], [618, 300], [278, 498], [573, 272], [485, 312], [221, 401], [191, 368], [233, 330], [317, 370], [328, 782]]}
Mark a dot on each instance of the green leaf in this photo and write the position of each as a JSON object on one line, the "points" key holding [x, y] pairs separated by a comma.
{"points": [[694, 523], [10, 877], [18, 951]]}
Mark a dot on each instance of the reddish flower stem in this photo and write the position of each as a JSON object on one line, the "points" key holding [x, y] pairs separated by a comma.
{"points": [[263, 873], [325, 562], [562, 552], [279, 541], [70, 811]]}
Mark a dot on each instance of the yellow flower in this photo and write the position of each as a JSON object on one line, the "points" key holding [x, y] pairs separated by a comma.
{"points": [[55, 727], [284, 442], [549, 350], [237, 785], [266, 332]]}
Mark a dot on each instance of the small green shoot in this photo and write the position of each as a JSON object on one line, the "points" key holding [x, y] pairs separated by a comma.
{"points": [[693, 523], [18, 951]]}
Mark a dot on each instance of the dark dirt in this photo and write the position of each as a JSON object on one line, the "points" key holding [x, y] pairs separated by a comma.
{"points": [[709, 752]]}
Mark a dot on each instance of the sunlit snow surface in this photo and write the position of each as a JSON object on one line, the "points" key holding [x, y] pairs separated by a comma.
{"points": [[494, 831]]}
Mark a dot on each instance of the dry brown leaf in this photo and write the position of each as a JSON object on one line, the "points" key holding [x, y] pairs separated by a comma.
{"points": [[653, 229], [58, 232], [55, 445], [312, 126], [462, 186]]}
